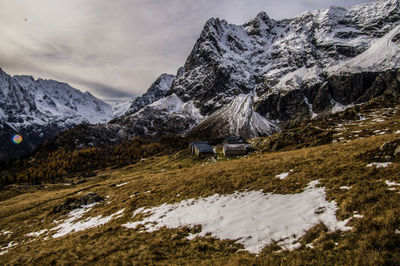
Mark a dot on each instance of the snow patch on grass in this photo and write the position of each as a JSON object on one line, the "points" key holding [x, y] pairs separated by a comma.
{"points": [[4, 250], [122, 184], [4, 232], [73, 225], [284, 175], [38, 233], [309, 245], [345, 188], [252, 218], [391, 184], [379, 165]]}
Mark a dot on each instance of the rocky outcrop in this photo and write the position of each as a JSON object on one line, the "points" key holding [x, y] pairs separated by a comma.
{"points": [[75, 203], [344, 90], [388, 152]]}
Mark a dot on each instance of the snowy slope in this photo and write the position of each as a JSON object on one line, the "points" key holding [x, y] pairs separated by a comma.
{"points": [[285, 64], [156, 91], [122, 108], [236, 118], [383, 54]]}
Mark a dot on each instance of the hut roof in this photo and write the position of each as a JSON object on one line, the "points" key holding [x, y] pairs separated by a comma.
{"points": [[193, 143], [234, 139], [204, 148]]}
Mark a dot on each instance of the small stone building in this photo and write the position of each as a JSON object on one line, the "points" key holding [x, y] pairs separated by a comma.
{"points": [[194, 143], [203, 150], [234, 149]]}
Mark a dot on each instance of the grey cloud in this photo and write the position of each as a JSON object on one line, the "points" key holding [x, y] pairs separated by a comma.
{"points": [[106, 91]]}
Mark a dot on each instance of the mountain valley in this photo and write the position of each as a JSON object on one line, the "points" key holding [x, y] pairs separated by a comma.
{"points": [[317, 99]]}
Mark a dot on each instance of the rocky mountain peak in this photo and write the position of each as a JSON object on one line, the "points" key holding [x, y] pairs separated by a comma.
{"points": [[157, 90]]}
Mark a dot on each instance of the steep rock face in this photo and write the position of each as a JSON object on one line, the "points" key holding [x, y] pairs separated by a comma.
{"points": [[333, 95], [40, 109], [364, 86]]}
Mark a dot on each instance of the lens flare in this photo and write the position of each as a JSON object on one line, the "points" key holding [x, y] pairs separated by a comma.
{"points": [[17, 139]]}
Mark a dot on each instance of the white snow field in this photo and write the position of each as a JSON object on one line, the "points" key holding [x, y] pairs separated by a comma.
{"points": [[252, 218]]}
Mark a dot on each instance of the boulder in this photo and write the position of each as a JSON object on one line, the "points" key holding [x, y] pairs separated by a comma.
{"points": [[75, 203]]}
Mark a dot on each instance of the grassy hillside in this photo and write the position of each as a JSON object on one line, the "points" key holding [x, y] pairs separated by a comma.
{"points": [[335, 150]]}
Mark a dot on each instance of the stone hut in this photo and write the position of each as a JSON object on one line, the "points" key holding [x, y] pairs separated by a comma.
{"points": [[234, 149], [194, 143], [203, 150]]}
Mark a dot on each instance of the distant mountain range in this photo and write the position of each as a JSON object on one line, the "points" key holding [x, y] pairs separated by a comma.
{"points": [[41, 109], [252, 79]]}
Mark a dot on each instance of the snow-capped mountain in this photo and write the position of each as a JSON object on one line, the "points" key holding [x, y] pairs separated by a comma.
{"points": [[283, 59], [253, 79], [39, 109]]}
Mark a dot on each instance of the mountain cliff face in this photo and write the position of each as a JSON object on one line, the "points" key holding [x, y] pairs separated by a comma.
{"points": [[40, 109], [256, 78]]}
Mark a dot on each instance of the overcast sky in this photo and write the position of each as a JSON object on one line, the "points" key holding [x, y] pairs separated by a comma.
{"points": [[116, 49]]}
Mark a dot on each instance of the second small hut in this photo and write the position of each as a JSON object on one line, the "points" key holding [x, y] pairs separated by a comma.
{"points": [[234, 149], [235, 145]]}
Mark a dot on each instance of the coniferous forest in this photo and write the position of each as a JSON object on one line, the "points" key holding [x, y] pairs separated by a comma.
{"points": [[50, 165]]}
